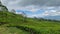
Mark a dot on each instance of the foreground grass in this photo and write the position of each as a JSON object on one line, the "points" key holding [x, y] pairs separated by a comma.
{"points": [[42, 28], [11, 30]]}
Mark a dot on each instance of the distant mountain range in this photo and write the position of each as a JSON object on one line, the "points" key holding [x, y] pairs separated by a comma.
{"points": [[53, 17]]}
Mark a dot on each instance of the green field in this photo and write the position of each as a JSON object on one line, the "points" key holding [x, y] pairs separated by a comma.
{"points": [[11, 23]]}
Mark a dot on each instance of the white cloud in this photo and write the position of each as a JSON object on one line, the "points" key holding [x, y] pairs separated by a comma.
{"points": [[31, 4], [31, 8], [51, 8], [51, 13], [47, 13]]}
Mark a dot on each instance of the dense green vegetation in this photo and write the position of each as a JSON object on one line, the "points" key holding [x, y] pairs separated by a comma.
{"points": [[11, 23]]}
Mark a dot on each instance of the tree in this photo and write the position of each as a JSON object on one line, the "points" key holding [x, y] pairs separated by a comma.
{"points": [[24, 17], [2, 7], [13, 11], [0, 3]]}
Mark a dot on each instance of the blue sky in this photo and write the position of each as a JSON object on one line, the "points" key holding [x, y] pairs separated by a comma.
{"points": [[29, 12], [35, 8]]}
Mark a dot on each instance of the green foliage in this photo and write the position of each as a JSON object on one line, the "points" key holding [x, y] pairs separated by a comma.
{"points": [[16, 24], [11, 30]]}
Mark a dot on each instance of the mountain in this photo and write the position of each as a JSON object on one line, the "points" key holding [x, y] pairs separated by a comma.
{"points": [[53, 17]]}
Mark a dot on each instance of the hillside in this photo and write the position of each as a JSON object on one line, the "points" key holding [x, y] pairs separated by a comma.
{"points": [[16, 22], [11, 23]]}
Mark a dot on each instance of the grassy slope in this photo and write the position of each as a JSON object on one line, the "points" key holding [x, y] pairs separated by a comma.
{"points": [[7, 17], [41, 27], [11, 30]]}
